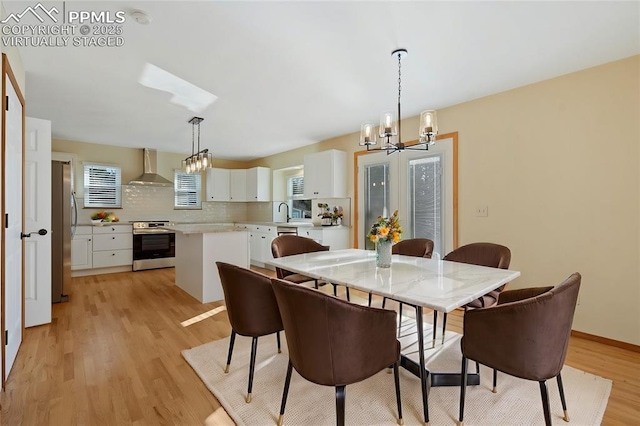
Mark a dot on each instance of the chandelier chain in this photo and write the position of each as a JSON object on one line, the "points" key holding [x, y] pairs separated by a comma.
{"points": [[193, 140], [399, 76]]}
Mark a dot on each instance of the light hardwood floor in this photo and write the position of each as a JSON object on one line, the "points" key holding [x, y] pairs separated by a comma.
{"points": [[112, 356]]}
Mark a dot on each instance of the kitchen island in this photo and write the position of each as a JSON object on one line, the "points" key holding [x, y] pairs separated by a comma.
{"points": [[198, 248]]}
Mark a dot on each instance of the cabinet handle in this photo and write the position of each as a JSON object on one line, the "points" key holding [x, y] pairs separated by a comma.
{"points": [[113, 254], [113, 238], [113, 229], [89, 239], [263, 238]]}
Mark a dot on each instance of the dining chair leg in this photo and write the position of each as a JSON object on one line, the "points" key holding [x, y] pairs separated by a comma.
{"points": [[285, 392], [495, 381], [444, 326], [435, 328], [278, 337], [400, 317], [348, 296], [231, 342], [545, 402], [340, 397], [463, 389], [252, 367], [564, 401], [370, 297], [477, 368], [315, 284], [396, 378], [424, 375]]}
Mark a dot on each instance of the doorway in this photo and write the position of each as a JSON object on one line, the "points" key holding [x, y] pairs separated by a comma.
{"points": [[421, 185]]}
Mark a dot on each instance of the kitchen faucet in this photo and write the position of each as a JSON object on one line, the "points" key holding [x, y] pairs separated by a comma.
{"points": [[287, 206]]}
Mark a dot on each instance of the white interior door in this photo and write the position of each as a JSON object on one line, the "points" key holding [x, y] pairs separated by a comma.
{"points": [[13, 227], [37, 186]]}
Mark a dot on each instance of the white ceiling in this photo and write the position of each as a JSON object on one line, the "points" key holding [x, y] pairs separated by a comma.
{"points": [[288, 74]]}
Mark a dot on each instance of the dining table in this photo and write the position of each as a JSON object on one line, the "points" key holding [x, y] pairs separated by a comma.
{"points": [[435, 284]]}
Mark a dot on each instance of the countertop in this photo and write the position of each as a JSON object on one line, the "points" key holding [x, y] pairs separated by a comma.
{"points": [[203, 228], [305, 225]]}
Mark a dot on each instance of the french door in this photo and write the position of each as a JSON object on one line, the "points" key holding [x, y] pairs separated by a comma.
{"points": [[419, 184]]}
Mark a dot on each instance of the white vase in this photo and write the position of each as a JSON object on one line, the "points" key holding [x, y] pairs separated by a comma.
{"points": [[383, 253]]}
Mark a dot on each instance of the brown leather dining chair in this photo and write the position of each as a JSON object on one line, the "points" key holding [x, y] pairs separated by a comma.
{"points": [[482, 254], [289, 245], [525, 335], [335, 343], [252, 309]]}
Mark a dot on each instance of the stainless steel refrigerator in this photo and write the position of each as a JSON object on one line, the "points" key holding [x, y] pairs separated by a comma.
{"points": [[64, 218]]}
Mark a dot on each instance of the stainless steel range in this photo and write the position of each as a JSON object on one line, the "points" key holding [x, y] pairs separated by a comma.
{"points": [[153, 246]]}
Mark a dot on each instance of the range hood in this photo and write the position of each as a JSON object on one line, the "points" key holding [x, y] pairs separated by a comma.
{"points": [[150, 175]]}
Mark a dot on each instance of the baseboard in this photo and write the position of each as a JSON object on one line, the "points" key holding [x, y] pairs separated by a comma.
{"points": [[100, 271], [606, 341]]}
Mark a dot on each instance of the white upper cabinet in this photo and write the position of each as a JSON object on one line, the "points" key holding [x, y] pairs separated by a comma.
{"points": [[238, 185], [325, 174], [259, 184], [218, 188]]}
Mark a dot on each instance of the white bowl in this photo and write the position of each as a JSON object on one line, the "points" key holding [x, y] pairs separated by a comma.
{"points": [[96, 221]]}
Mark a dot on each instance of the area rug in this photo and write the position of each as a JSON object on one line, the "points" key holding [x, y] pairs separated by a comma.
{"points": [[372, 402]]}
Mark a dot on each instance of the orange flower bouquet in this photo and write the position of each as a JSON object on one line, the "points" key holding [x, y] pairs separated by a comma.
{"points": [[386, 229]]}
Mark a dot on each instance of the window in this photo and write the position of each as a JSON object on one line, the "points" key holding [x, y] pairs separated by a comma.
{"points": [[102, 186], [187, 190], [300, 209]]}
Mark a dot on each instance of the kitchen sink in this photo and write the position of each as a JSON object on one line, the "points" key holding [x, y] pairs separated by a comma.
{"points": [[287, 230]]}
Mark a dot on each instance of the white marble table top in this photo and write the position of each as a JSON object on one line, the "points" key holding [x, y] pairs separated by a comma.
{"points": [[203, 228], [435, 284]]}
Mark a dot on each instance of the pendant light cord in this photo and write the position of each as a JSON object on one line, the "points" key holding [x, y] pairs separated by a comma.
{"points": [[399, 92], [193, 136]]}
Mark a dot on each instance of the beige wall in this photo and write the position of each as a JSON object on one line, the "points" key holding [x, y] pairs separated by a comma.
{"points": [[557, 163], [129, 159], [15, 60]]}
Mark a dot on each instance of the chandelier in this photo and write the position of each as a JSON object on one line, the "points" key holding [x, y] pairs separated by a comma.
{"points": [[198, 160], [389, 130]]}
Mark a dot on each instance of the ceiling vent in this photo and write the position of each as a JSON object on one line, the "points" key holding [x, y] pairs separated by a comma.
{"points": [[150, 177]]}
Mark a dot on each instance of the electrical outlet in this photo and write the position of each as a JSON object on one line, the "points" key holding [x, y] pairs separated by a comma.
{"points": [[482, 211]]}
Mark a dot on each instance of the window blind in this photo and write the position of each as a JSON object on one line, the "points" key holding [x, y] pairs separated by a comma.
{"points": [[187, 190], [102, 185], [425, 192], [296, 186]]}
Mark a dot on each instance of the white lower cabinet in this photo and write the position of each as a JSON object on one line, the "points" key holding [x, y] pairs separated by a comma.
{"points": [[260, 238], [82, 249], [112, 246], [95, 247], [110, 258], [336, 237]]}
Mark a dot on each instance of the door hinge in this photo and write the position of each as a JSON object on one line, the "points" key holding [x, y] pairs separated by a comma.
{"points": [[6, 105], [6, 220], [6, 337]]}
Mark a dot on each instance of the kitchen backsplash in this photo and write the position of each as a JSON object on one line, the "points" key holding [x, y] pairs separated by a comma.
{"points": [[156, 203]]}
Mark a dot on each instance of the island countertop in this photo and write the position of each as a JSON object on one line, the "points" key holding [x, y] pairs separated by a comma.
{"points": [[203, 228]]}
